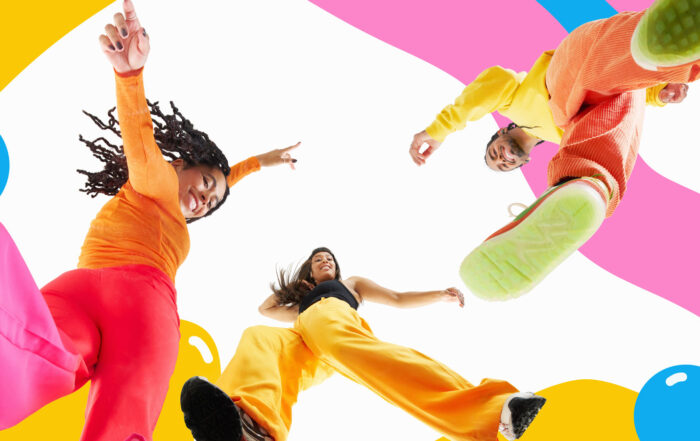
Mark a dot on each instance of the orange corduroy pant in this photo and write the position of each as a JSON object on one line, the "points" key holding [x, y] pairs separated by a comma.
{"points": [[597, 96], [272, 365]]}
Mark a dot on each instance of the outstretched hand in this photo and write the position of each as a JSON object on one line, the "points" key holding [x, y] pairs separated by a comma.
{"points": [[453, 295], [673, 93], [278, 156], [125, 42], [419, 139]]}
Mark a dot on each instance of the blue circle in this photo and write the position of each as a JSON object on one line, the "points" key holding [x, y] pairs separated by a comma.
{"points": [[667, 406], [4, 165]]}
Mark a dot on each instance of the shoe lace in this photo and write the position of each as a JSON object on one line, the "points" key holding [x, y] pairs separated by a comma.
{"points": [[516, 204]]}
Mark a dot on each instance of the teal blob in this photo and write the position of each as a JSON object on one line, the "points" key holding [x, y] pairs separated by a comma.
{"points": [[4, 165], [667, 406]]}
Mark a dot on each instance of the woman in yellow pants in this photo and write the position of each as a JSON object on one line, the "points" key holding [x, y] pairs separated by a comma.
{"points": [[253, 399]]}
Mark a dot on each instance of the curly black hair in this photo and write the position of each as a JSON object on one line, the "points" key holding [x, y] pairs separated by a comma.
{"points": [[176, 137]]}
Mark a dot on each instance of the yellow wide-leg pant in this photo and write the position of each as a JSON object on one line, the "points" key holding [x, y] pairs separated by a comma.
{"points": [[272, 365]]}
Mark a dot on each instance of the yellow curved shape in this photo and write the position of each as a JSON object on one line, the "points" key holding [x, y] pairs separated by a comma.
{"points": [[30, 27], [583, 410], [63, 419]]}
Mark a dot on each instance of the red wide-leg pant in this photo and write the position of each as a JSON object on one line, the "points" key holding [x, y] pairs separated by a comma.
{"points": [[117, 327], [597, 97]]}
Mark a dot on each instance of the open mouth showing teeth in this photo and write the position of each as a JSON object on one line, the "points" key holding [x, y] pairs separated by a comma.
{"points": [[507, 155], [193, 202]]}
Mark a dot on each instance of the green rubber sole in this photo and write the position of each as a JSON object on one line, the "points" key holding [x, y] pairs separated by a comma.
{"points": [[668, 34], [511, 264]]}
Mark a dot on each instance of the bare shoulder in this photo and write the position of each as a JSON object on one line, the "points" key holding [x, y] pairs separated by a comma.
{"points": [[351, 283], [354, 282]]}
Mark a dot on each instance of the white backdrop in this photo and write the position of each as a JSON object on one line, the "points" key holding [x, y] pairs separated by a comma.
{"points": [[258, 75]]}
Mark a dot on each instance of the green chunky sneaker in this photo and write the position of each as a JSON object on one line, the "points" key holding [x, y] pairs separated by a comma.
{"points": [[518, 256], [668, 34]]}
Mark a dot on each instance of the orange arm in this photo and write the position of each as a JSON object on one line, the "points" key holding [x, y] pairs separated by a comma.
{"points": [[242, 169], [149, 173]]}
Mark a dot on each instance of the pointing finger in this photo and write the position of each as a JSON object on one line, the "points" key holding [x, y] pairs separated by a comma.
{"points": [[132, 20], [292, 147]]}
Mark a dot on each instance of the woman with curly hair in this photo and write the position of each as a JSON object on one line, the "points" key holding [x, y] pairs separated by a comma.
{"points": [[253, 399], [114, 320]]}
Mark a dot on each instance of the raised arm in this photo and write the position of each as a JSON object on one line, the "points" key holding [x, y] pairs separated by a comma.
{"points": [[370, 291], [271, 308], [126, 45], [491, 91]]}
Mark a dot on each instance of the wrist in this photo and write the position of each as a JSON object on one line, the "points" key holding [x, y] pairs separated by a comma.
{"points": [[262, 161], [130, 73]]}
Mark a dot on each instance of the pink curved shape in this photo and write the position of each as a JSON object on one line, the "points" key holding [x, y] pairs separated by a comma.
{"points": [[652, 239]]}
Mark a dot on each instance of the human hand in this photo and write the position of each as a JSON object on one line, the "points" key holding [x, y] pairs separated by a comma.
{"points": [[453, 295], [278, 156], [419, 139], [673, 93], [125, 43]]}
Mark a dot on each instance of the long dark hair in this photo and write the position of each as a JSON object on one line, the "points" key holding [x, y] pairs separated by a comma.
{"points": [[291, 289], [177, 139]]}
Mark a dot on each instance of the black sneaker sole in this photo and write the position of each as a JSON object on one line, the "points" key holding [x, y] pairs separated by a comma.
{"points": [[209, 413], [523, 411]]}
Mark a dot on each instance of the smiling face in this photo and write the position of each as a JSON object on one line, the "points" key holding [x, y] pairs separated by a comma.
{"points": [[201, 188], [322, 267], [504, 153]]}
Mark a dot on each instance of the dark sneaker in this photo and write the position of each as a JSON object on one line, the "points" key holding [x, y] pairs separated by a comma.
{"points": [[518, 412], [210, 414], [668, 34], [517, 257]]}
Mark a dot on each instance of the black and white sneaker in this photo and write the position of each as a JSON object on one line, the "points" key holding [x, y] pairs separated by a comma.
{"points": [[210, 414], [518, 412]]}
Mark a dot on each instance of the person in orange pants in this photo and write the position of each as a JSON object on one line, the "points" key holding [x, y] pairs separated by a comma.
{"points": [[272, 365], [114, 320], [591, 94]]}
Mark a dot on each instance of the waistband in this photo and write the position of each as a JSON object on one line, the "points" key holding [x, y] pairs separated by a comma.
{"points": [[145, 271]]}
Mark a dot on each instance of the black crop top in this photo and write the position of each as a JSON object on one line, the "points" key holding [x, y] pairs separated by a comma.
{"points": [[329, 288]]}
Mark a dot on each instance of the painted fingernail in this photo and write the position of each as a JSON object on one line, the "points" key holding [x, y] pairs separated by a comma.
{"points": [[144, 32], [124, 33], [294, 160], [111, 48], [119, 45]]}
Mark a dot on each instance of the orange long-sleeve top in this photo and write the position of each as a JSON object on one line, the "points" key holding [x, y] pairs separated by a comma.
{"points": [[143, 223]]}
